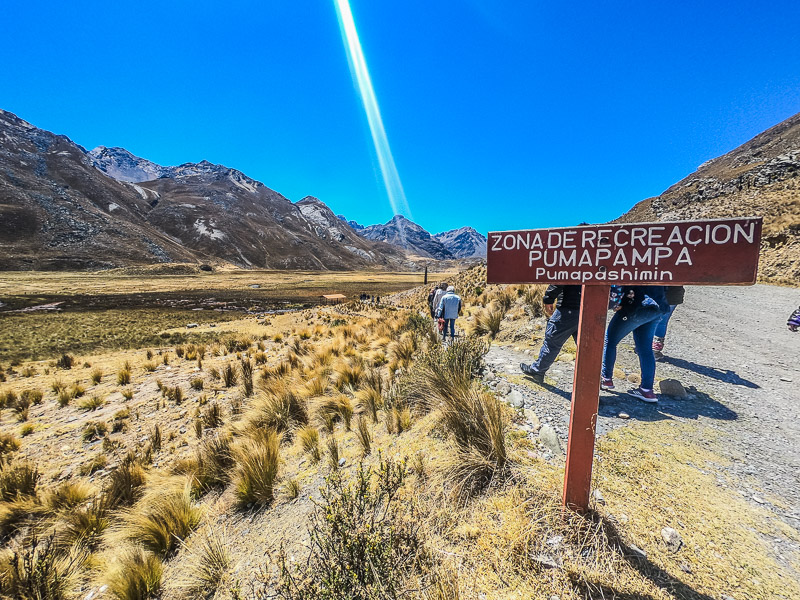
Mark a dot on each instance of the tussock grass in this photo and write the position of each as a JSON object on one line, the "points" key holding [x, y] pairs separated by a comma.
{"points": [[124, 375], [487, 322], [84, 525], [205, 559], [125, 485], [97, 376], [69, 494], [135, 575], [332, 446], [94, 464], [338, 408], [257, 461], [229, 375], [246, 370], [278, 371], [8, 445], [94, 430], [291, 488], [92, 403], [309, 442], [364, 436], [18, 480], [214, 462], [348, 375], [279, 406], [402, 351], [19, 513], [161, 519], [197, 383], [40, 572], [155, 438], [212, 416]]}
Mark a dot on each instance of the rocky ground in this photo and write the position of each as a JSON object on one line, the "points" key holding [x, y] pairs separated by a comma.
{"points": [[730, 349]]}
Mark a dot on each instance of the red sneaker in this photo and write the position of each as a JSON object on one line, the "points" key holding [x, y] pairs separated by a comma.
{"points": [[606, 384], [643, 394]]}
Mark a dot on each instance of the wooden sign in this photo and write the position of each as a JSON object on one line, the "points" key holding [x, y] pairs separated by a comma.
{"points": [[715, 252]]}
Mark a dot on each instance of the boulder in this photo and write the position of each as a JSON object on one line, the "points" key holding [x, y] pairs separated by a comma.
{"points": [[673, 388], [548, 437], [515, 399]]}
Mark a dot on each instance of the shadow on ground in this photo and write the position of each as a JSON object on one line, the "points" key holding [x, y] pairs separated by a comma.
{"points": [[700, 405], [725, 375], [593, 590]]}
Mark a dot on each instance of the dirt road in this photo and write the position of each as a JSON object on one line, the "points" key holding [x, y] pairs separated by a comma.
{"points": [[731, 349]]}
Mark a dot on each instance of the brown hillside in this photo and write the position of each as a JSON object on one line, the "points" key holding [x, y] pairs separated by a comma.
{"points": [[759, 178]]}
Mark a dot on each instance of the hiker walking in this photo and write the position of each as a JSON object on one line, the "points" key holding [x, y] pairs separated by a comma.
{"points": [[448, 309], [562, 324], [794, 320], [639, 311], [431, 306], [675, 295], [437, 297]]}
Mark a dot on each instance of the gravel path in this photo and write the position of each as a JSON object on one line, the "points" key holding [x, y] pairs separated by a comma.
{"points": [[732, 351]]}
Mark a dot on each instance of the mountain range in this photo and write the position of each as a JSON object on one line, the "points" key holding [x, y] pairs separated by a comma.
{"points": [[62, 207], [759, 178]]}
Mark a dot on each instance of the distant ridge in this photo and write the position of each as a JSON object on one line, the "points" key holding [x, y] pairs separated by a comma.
{"points": [[62, 207]]}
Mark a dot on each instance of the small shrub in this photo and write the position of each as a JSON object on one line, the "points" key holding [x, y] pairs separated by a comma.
{"points": [[136, 575], [26, 429], [97, 376], [197, 383], [8, 444], [120, 421], [127, 394], [64, 398], [40, 570], [149, 367], [32, 396], [65, 361], [57, 386], [257, 468], [77, 390], [179, 351]]}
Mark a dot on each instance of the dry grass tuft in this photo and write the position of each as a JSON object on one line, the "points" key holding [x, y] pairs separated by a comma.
{"points": [[487, 322], [333, 453], [136, 575], [92, 403], [205, 559], [18, 480], [279, 406], [161, 519], [364, 436], [125, 485], [214, 462], [258, 460], [309, 441], [69, 494], [39, 571], [337, 408]]}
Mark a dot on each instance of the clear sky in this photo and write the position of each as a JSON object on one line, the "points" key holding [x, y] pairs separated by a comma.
{"points": [[500, 114]]}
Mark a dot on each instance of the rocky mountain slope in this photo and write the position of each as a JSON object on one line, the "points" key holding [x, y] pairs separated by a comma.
{"points": [[464, 242], [63, 207], [406, 234], [761, 178]]}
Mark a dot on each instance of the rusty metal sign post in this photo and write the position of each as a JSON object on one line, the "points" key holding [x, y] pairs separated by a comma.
{"points": [[712, 252]]}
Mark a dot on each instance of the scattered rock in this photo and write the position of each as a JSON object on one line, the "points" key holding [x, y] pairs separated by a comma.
{"points": [[672, 538], [532, 419], [634, 378], [636, 552], [685, 568], [598, 496], [555, 540], [342, 461], [546, 561], [191, 325], [503, 388], [548, 437], [515, 399], [759, 499], [624, 415], [672, 387], [788, 379]]}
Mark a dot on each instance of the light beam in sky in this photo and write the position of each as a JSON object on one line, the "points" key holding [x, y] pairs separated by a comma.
{"points": [[358, 68]]}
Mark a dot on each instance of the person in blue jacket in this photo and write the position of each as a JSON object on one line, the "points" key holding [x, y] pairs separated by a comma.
{"points": [[639, 311], [449, 308]]}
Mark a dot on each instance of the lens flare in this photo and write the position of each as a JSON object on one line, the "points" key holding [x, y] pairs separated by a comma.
{"points": [[358, 68]]}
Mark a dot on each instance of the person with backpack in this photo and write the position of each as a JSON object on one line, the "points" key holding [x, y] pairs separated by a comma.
{"points": [[448, 309], [675, 295], [794, 320], [431, 306], [639, 311], [562, 323]]}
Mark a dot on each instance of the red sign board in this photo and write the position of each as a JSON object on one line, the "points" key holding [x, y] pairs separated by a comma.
{"points": [[713, 252]]}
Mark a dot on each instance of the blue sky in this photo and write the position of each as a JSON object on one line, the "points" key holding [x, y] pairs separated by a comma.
{"points": [[500, 114]]}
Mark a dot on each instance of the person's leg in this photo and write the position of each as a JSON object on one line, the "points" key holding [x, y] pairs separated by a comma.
{"points": [[661, 330], [643, 340], [452, 324], [560, 326], [618, 328]]}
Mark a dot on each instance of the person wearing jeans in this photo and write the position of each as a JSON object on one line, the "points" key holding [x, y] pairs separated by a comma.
{"points": [[639, 313], [674, 295], [562, 324]]}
